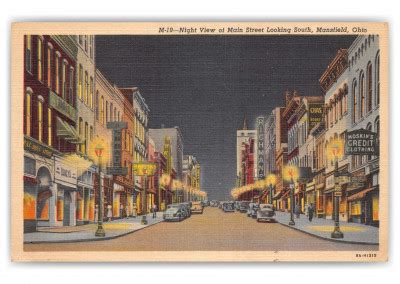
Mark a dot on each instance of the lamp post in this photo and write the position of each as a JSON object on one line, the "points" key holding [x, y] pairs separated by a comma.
{"points": [[144, 201], [100, 230], [336, 149], [290, 174]]}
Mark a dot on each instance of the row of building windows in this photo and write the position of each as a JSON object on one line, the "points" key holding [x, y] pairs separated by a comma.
{"points": [[367, 93], [85, 87], [105, 111], [336, 109], [87, 43], [53, 71], [86, 133]]}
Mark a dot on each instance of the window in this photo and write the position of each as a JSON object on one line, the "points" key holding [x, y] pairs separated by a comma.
{"points": [[28, 53], [354, 94], [91, 133], [40, 120], [107, 112], [102, 110], [71, 85], [80, 131], [377, 79], [111, 112], [28, 113], [362, 96], [115, 114], [97, 106], [49, 127], [80, 40], [64, 79], [345, 103], [49, 65], [369, 87], [80, 79], [91, 43], [86, 91], [57, 72], [40, 59], [86, 43], [119, 116], [91, 93], [85, 145]]}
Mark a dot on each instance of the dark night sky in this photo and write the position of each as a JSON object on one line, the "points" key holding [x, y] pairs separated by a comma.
{"points": [[207, 84]]}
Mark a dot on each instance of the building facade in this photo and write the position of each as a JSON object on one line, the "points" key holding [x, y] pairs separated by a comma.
{"points": [[364, 100]]}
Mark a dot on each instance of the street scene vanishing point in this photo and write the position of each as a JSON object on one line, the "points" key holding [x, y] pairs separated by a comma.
{"points": [[189, 142]]}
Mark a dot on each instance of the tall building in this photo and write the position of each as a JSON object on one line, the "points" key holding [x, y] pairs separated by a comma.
{"points": [[174, 136], [140, 112], [50, 119], [337, 123], [244, 137], [364, 100], [85, 104]]}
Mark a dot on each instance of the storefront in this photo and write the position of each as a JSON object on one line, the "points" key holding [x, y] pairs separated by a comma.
{"points": [[85, 203], [310, 193], [118, 199], [38, 186], [65, 187]]}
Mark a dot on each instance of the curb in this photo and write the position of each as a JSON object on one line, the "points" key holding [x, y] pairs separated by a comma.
{"points": [[328, 239], [90, 240]]}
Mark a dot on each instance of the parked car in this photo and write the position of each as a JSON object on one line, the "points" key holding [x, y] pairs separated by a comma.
{"points": [[254, 210], [174, 212], [266, 212], [237, 205], [250, 209], [197, 207], [244, 205], [213, 203], [187, 206], [228, 206]]}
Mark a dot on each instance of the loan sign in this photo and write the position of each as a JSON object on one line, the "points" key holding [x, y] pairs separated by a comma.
{"points": [[361, 142], [144, 169]]}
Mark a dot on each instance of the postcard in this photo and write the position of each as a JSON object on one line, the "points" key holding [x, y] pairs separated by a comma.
{"points": [[199, 141]]}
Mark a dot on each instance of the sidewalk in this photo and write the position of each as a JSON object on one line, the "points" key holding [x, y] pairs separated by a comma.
{"points": [[322, 228], [85, 233]]}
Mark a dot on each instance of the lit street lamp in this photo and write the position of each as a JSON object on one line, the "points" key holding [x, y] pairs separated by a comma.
{"points": [[290, 174], [335, 151]]}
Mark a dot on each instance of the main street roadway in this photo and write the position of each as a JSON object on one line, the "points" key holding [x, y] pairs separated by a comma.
{"points": [[212, 230]]}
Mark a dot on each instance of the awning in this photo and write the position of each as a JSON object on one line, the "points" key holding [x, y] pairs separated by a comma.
{"points": [[359, 195], [65, 131], [277, 195]]}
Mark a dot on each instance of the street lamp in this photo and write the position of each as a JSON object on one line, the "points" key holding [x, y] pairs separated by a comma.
{"points": [[271, 181], [290, 174], [100, 230], [335, 151]]}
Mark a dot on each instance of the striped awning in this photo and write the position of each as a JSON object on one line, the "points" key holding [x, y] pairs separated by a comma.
{"points": [[67, 132]]}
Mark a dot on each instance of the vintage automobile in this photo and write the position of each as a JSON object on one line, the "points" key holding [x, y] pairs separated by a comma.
{"points": [[252, 211], [174, 212], [197, 207], [244, 205], [266, 212], [187, 206], [228, 206]]}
